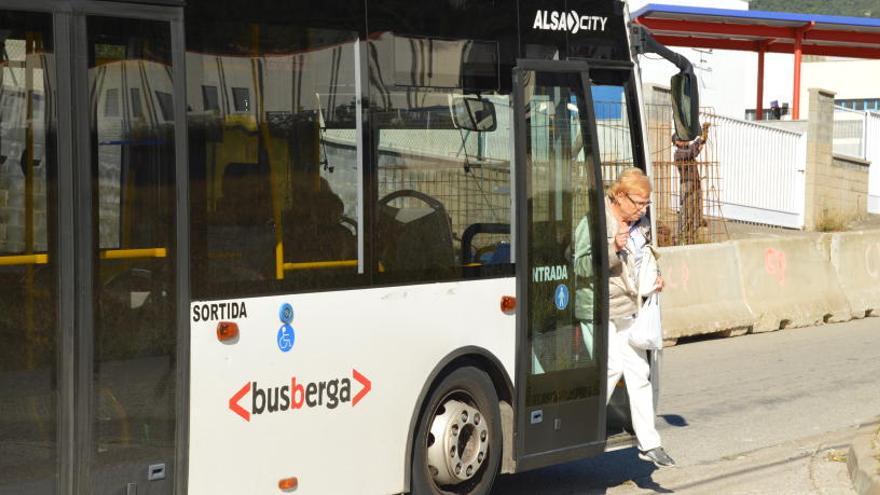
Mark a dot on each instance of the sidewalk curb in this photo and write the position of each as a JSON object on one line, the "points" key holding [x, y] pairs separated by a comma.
{"points": [[863, 467]]}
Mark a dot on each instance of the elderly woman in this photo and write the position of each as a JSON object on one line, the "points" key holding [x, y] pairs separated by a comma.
{"points": [[628, 228]]}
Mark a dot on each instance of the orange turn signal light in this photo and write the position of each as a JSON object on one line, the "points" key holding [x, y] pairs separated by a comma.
{"points": [[226, 331], [288, 483], [508, 304]]}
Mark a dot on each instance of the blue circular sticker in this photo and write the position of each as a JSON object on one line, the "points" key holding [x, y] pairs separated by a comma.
{"points": [[286, 313], [286, 337], [561, 297]]}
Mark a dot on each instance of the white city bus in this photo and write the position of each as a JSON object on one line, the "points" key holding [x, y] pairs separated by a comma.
{"points": [[269, 247]]}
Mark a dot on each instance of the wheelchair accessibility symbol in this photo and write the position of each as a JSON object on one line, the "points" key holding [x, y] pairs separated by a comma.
{"points": [[561, 297], [286, 337]]}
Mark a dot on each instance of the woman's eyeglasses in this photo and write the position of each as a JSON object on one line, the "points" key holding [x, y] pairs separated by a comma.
{"points": [[639, 204]]}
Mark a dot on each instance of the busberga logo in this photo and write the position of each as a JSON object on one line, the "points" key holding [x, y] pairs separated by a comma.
{"points": [[551, 20], [294, 396]]}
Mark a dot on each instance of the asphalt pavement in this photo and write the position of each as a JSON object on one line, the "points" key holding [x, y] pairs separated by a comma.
{"points": [[767, 413]]}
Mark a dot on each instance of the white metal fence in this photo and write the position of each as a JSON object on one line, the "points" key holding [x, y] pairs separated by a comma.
{"points": [[872, 154], [761, 169], [849, 132]]}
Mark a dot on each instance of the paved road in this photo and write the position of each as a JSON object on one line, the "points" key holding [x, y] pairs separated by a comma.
{"points": [[768, 413]]}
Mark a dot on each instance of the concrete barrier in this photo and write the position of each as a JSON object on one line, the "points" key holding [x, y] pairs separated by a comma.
{"points": [[856, 260], [703, 293], [790, 282]]}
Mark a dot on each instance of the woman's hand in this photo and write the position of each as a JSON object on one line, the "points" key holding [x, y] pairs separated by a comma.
{"points": [[622, 236], [658, 285]]}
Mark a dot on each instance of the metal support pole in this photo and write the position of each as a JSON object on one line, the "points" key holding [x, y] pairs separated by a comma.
{"points": [[798, 58], [759, 106], [796, 96]]}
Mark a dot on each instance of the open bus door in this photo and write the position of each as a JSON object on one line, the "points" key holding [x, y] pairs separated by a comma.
{"points": [[561, 266]]}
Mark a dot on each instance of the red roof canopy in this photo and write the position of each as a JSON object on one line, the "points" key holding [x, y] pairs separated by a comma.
{"points": [[763, 32]]}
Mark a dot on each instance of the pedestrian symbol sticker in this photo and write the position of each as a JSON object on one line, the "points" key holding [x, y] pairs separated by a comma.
{"points": [[286, 313], [286, 337], [561, 297]]}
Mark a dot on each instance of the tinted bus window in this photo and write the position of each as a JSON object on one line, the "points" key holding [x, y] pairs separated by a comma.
{"points": [[274, 149], [133, 202], [28, 257], [444, 194], [614, 114]]}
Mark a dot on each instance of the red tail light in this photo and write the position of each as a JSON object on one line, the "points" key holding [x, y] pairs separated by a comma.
{"points": [[226, 331], [508, 304]]}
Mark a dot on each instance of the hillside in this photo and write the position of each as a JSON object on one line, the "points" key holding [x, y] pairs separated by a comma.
{"points": [[856, 8]]}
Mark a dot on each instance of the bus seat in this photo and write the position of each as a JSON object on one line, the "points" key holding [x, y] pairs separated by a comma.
{"points": [[500, 255], [241, 228], [313, 229], [496, 253], [246, 195], [414, 238]]}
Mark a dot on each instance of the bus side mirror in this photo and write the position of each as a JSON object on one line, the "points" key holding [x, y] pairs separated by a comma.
{"points": [[473, 113], [685, 106]]}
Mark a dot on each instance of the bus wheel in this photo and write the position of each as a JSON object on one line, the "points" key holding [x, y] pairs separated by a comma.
{"points": [[458, 441]]}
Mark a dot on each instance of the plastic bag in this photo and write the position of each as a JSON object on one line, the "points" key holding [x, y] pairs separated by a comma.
{"points": [[648, 272], [646, 331]]}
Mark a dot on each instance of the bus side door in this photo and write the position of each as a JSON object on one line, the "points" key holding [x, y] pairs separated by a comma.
{"points": [[561, 266]]}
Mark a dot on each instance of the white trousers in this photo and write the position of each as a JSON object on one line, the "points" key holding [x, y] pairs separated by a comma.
{"points": [[631, 363]]}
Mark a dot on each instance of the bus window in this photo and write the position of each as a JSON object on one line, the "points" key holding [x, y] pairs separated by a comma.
{"points": [[275, 172], [166, 105], [562, 247], [444, 195], [111, 103], [28, 256], [137, 108], [133, 201], [242, 99], [210, 99], [615, 134]]}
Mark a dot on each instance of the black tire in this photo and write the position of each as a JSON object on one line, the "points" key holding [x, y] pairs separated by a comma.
{"points": [[473, 387]]}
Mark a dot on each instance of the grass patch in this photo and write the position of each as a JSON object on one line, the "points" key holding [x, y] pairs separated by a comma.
{"points": [[836, 456], [875, 443], [832, 221]]}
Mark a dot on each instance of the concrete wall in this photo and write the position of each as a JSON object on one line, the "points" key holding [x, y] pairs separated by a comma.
{"points": [[789, 282], [761, 285], [842, 188], [856, 260], [702, 294], [820, 150], [836, 187]]}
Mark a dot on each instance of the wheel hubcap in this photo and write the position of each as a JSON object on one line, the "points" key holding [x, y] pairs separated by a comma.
{"points": [[457, 444]]}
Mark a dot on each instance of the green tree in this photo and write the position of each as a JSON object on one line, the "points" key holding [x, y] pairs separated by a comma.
{"points": [[852, 8]]}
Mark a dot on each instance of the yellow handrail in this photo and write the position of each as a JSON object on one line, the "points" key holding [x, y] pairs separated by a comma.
{"points": [[314, 265], [125, 254], [24, 259], [113, 254]]}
